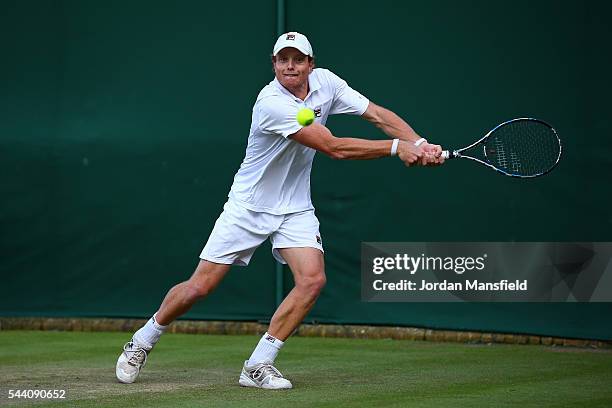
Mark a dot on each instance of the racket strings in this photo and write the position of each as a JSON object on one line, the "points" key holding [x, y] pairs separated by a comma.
{"points": [[523, 147]]}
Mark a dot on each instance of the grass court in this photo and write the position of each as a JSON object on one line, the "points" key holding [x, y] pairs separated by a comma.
{"points": [[202, 370]]}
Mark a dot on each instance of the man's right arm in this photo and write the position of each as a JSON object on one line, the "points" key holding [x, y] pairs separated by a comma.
{"points": [[320, 138]]}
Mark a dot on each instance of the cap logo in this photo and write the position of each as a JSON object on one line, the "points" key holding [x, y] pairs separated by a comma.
{"points": [[290, 37]]}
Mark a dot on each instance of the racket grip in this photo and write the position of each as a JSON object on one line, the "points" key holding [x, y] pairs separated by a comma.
{"points": [[448, 154]]}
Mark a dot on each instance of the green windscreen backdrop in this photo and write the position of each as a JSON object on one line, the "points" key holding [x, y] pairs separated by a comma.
{"points": [[122, 124]]}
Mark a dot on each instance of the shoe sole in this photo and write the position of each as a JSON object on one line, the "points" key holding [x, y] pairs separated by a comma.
{"points": [[245, 381]]}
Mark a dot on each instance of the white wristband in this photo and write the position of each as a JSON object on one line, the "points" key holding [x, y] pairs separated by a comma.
{"points": [[394, 147], [420, 141]]}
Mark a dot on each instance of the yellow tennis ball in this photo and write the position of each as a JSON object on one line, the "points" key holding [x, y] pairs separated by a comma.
{"points": [[305, 116]]}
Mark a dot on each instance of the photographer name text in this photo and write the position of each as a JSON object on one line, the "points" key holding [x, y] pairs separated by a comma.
{"points": [[473, 285]]}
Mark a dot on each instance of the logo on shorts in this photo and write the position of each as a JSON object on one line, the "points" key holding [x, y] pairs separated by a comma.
{"points": [[318, 239], [290, 37], [317, 112]]}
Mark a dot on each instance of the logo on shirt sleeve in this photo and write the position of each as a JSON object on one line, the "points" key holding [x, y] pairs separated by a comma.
{"points": [[318, 237], [317, 112]]}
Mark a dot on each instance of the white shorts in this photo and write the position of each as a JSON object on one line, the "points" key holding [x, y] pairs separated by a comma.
{"points": [[239, 231]]}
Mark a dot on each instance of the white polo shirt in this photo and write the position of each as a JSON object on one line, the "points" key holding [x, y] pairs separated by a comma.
{"points": [[274, 176]]}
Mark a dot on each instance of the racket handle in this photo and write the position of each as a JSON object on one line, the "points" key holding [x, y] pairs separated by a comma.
{"points": [[447, 154]]}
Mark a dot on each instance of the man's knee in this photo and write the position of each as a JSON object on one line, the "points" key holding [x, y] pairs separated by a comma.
{"points": [[197, 290], [206, 278], [313, 284]]}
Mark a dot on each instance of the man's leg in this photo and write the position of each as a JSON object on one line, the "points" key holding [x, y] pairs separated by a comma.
{"points": [[181, 297], [176, 303], [308, 270]]}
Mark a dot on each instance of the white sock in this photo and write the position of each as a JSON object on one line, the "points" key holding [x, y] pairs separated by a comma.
{"points": [[150, 333], [267, 349]]}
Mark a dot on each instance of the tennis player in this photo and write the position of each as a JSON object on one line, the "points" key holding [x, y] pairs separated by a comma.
{"points": [[270, 198]]}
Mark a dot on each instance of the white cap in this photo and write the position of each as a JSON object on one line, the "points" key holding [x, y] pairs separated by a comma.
{"points": [[294, 40]]}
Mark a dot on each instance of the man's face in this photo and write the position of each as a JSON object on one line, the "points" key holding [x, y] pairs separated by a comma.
{"points": [[292, 68]]}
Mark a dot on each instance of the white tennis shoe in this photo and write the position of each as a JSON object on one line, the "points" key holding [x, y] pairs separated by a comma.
{"points": [[263, 375], [131, 361]]}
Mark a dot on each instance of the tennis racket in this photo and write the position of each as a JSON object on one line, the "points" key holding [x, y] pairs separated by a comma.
{"points": [[523, 147]]}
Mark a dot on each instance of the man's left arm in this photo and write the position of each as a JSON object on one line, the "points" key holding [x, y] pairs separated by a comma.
{"points": [[396, 128]]}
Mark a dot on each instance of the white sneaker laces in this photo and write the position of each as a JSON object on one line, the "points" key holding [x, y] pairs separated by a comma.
{"points": [[266, 370], [139, 355]]}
